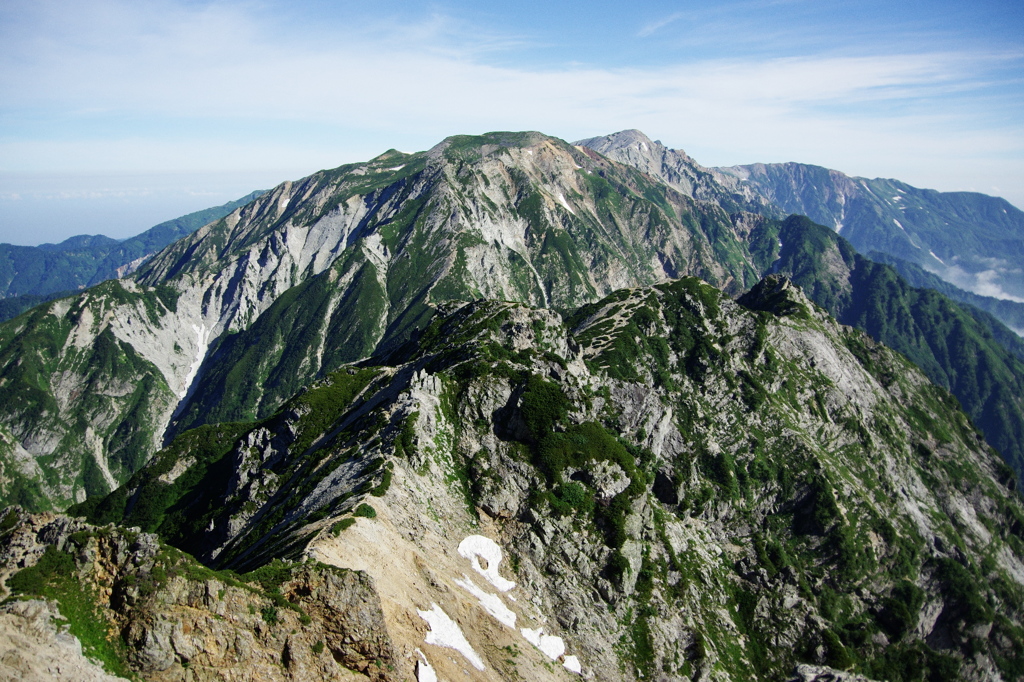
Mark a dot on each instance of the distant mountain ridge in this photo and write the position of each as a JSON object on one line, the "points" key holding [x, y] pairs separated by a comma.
{"points": [[30, 275], [972, 241]]}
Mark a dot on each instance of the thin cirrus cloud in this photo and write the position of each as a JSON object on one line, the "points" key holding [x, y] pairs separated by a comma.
{"points": [[655, 26], [165, 86]]}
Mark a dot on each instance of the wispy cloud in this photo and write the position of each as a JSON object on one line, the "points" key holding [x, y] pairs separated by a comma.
{"points": [[221, 85], [655, 26]]}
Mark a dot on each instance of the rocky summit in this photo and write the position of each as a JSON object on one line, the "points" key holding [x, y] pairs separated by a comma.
{"points": [[510, 409]]}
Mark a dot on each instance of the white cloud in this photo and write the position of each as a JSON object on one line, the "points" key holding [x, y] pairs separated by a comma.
{"points": [[182, 77], [655, 26]]}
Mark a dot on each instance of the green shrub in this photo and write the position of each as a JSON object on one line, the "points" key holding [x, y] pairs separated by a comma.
{"points": [[365, 511], [899, 612], [344, 524], [961, 588], [836, 654], [543, 405], [53, 567], [382, 487], [577, 496]]}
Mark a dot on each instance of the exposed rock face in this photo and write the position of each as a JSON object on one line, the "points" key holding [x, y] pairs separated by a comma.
{"points": [[35, 649], [817, 673], [676, 169], [667, 485]]}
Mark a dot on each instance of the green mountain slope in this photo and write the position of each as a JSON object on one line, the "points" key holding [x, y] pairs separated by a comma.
{"points": [[684, 487], [947, 341], [82, 407], [1010, 313]]}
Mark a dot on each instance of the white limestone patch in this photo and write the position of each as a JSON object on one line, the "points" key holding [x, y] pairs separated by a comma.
{"points": [[491, 603], [203, 342], [550, 646], [476, 547], [424, 671], [446, 632], [572, 664], [563, 202]]}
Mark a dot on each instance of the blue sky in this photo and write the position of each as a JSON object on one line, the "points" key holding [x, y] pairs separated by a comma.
{"points": [[116, 115]]}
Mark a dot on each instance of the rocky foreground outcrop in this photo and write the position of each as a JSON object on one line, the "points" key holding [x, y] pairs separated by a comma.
{"points": [[142, 608]]}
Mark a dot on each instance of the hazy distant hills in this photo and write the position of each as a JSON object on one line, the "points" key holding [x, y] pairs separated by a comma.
{"points": [[30, 275]]}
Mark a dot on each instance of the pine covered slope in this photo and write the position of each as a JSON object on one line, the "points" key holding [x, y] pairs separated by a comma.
{"points": [[680, 487]]}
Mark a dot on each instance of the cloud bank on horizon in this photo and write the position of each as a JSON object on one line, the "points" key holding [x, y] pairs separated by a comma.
{"points": [[930, 93]]}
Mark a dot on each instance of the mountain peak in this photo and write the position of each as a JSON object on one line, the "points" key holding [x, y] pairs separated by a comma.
{"points": [[489, 141], [624, 139]]}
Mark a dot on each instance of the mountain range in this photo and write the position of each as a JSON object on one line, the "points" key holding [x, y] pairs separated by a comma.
{"points": [[667, 403]]}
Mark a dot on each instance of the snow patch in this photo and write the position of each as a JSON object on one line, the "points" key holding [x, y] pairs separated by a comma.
{"points": [[424, 672], [446, 632], [203, 341], [563, 202], [530, 152], [936, 257], [897, 198], [572, 663], [491, 603], [899, 225], [394, 168], [551, 646], [477, 547]]}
